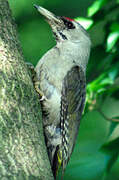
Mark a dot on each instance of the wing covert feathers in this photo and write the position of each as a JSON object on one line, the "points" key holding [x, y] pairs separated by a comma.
{"points": [[72, 104]]}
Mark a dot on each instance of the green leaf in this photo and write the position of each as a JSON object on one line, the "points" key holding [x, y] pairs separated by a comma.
{"points": [[111, 162], [113, 126], [114, 27], [102, 81], [113, 73], [111, 147], [115, 133], [95, 7], [85, 22], [111, 40]]}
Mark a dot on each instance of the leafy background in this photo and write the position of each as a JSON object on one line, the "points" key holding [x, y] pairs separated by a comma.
{"points": [[95, 156]]}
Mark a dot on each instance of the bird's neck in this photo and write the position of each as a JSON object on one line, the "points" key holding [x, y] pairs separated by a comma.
{"points": [[76, 51]]}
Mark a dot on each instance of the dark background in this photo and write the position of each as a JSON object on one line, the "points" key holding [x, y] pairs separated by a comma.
{"points": [[95, 156]]}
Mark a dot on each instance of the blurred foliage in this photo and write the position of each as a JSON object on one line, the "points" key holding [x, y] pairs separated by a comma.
{"points": [[96, 154]]}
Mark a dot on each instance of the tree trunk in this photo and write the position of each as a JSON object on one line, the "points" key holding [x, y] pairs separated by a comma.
{"points": [[23, 153]]}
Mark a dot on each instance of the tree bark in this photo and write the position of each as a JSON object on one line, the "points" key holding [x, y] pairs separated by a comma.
{"points": [[23, 152]]}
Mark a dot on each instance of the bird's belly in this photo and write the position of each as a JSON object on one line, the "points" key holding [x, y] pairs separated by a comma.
{"points": [[52, 106]]}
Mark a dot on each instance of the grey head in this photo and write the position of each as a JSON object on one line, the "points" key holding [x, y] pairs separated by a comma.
{"points": [[65, 29]]}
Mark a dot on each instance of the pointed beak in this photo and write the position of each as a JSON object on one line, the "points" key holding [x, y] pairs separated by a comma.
{"points": [[47, 14]]}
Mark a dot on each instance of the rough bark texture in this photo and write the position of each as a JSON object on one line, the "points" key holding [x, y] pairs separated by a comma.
{"points": [[22, 148]]}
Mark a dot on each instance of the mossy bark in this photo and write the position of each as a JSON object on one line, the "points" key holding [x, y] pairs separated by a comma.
{"points": [[23, 153]]}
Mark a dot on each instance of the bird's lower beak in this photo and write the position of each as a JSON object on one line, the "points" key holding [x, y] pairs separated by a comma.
{"points": [[48, 15]]}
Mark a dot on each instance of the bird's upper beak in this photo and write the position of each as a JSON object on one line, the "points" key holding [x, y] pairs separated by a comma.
{"points": [[48, 15]]}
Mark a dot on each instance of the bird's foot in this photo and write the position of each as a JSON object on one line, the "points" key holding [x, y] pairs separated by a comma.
{"points": [[43, 97]]}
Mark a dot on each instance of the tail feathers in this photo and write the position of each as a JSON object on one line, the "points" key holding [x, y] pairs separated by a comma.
{"points": [[57, 162], [64, 163]]}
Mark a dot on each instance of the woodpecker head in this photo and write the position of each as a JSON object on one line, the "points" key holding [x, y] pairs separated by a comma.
{"points": [[65, 29]]}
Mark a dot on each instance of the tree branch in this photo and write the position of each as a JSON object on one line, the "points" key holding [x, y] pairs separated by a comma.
{"points": [[23, 153]]}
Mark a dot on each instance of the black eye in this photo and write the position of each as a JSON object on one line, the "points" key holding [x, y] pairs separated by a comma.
{"points": [[68, 24]]}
